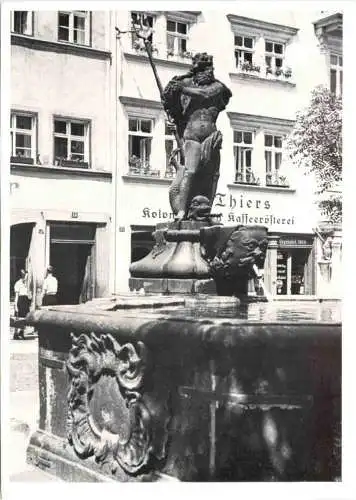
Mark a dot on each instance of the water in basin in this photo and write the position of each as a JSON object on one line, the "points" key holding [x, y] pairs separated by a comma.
{"points": [[289, 311]]}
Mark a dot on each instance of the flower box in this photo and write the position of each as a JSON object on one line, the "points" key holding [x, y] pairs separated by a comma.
{"points": [[250, 68], [73, 164], [22, 159], [248, 183], [180, 55], [276, 184]]}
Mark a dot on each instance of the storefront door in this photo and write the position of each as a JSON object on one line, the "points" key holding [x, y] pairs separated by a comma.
{"points": [[72, 250]]}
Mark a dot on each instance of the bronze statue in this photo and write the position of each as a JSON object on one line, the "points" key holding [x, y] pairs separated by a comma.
{"points": [[194, 101]]}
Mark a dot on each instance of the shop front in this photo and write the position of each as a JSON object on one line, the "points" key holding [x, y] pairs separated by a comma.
{"points": [[295, 265], [78, 250]]}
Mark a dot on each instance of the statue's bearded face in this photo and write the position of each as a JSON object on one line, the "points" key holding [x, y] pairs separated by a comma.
{"points": [[202, 70], [204, 77]]}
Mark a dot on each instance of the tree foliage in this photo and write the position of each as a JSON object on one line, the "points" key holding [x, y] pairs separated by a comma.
{"points": [[316, 145]]}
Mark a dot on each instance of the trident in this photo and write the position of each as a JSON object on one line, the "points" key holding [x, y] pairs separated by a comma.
{"points": [[143, 32]]}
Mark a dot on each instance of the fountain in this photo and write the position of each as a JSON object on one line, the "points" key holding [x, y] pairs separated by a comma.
{"points": [[190, 381]]}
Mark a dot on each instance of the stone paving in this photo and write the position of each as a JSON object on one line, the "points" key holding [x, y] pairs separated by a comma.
{"points": [[24, 407]]}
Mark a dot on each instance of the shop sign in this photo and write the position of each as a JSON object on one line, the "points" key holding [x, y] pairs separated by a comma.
{"points": [[240, 208], [295, 242], [244, 209]]}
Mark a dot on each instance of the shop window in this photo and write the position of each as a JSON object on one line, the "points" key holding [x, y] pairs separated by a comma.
{"points": [[141, 22], [74, 27], [282, 258], [22, 22], [177, 38], [336, 74], [140, 145], [243, 149], [71, 143], [273, 161], [171, 147], [274, 58], [244, 53], [23, 137], [292, 272]]}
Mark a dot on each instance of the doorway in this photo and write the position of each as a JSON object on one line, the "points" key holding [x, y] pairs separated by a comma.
{"points": [[71, 253], [72, 263]]}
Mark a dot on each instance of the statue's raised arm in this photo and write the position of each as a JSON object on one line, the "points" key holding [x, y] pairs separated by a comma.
{"points": [[194, 101]]}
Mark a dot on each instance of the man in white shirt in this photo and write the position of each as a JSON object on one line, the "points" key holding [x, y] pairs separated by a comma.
{"points": [[22, 301], [50, 288]]}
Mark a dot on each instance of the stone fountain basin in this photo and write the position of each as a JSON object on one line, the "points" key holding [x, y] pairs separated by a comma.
{"points": [[193, 389]]}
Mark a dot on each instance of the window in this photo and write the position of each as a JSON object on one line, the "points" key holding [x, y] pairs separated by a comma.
{"points": [[244, 49], [73, 27], [21, 22], [141, 21], [23, 137], [273, 159], [336, 74], [177, 38], [243, 147], [274, 55], [71, 142], [171, 145], [140, 140]]}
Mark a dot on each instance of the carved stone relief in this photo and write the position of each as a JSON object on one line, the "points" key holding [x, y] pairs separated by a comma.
{"points": [[108, 417]]}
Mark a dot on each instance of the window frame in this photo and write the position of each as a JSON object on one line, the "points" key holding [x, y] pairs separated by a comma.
{"points": [[142, 168], [29, 22], [58, 161], [30, 132], [338, 68], [274, 150], [240, 149], [87, 26], [274, 55], [137, 43], [177, 37], [270, 32], [242, 49]]}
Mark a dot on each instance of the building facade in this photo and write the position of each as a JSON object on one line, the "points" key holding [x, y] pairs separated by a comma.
{"points": [[61, 175], [271, 62], [90, 143]]}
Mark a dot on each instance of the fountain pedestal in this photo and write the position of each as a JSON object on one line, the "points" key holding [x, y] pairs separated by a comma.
{"points": [[175, 265], [192, 257]]}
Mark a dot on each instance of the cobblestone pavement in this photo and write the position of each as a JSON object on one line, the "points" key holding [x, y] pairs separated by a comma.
{"points": [[24, 364], [24, 407]]}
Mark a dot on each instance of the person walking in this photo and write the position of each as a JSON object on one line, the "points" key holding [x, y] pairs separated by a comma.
{"points": [[50, 288], [22, 302]]}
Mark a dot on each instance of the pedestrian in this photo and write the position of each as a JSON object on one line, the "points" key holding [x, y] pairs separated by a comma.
{"points": [[22, 302], [50, 288]]}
